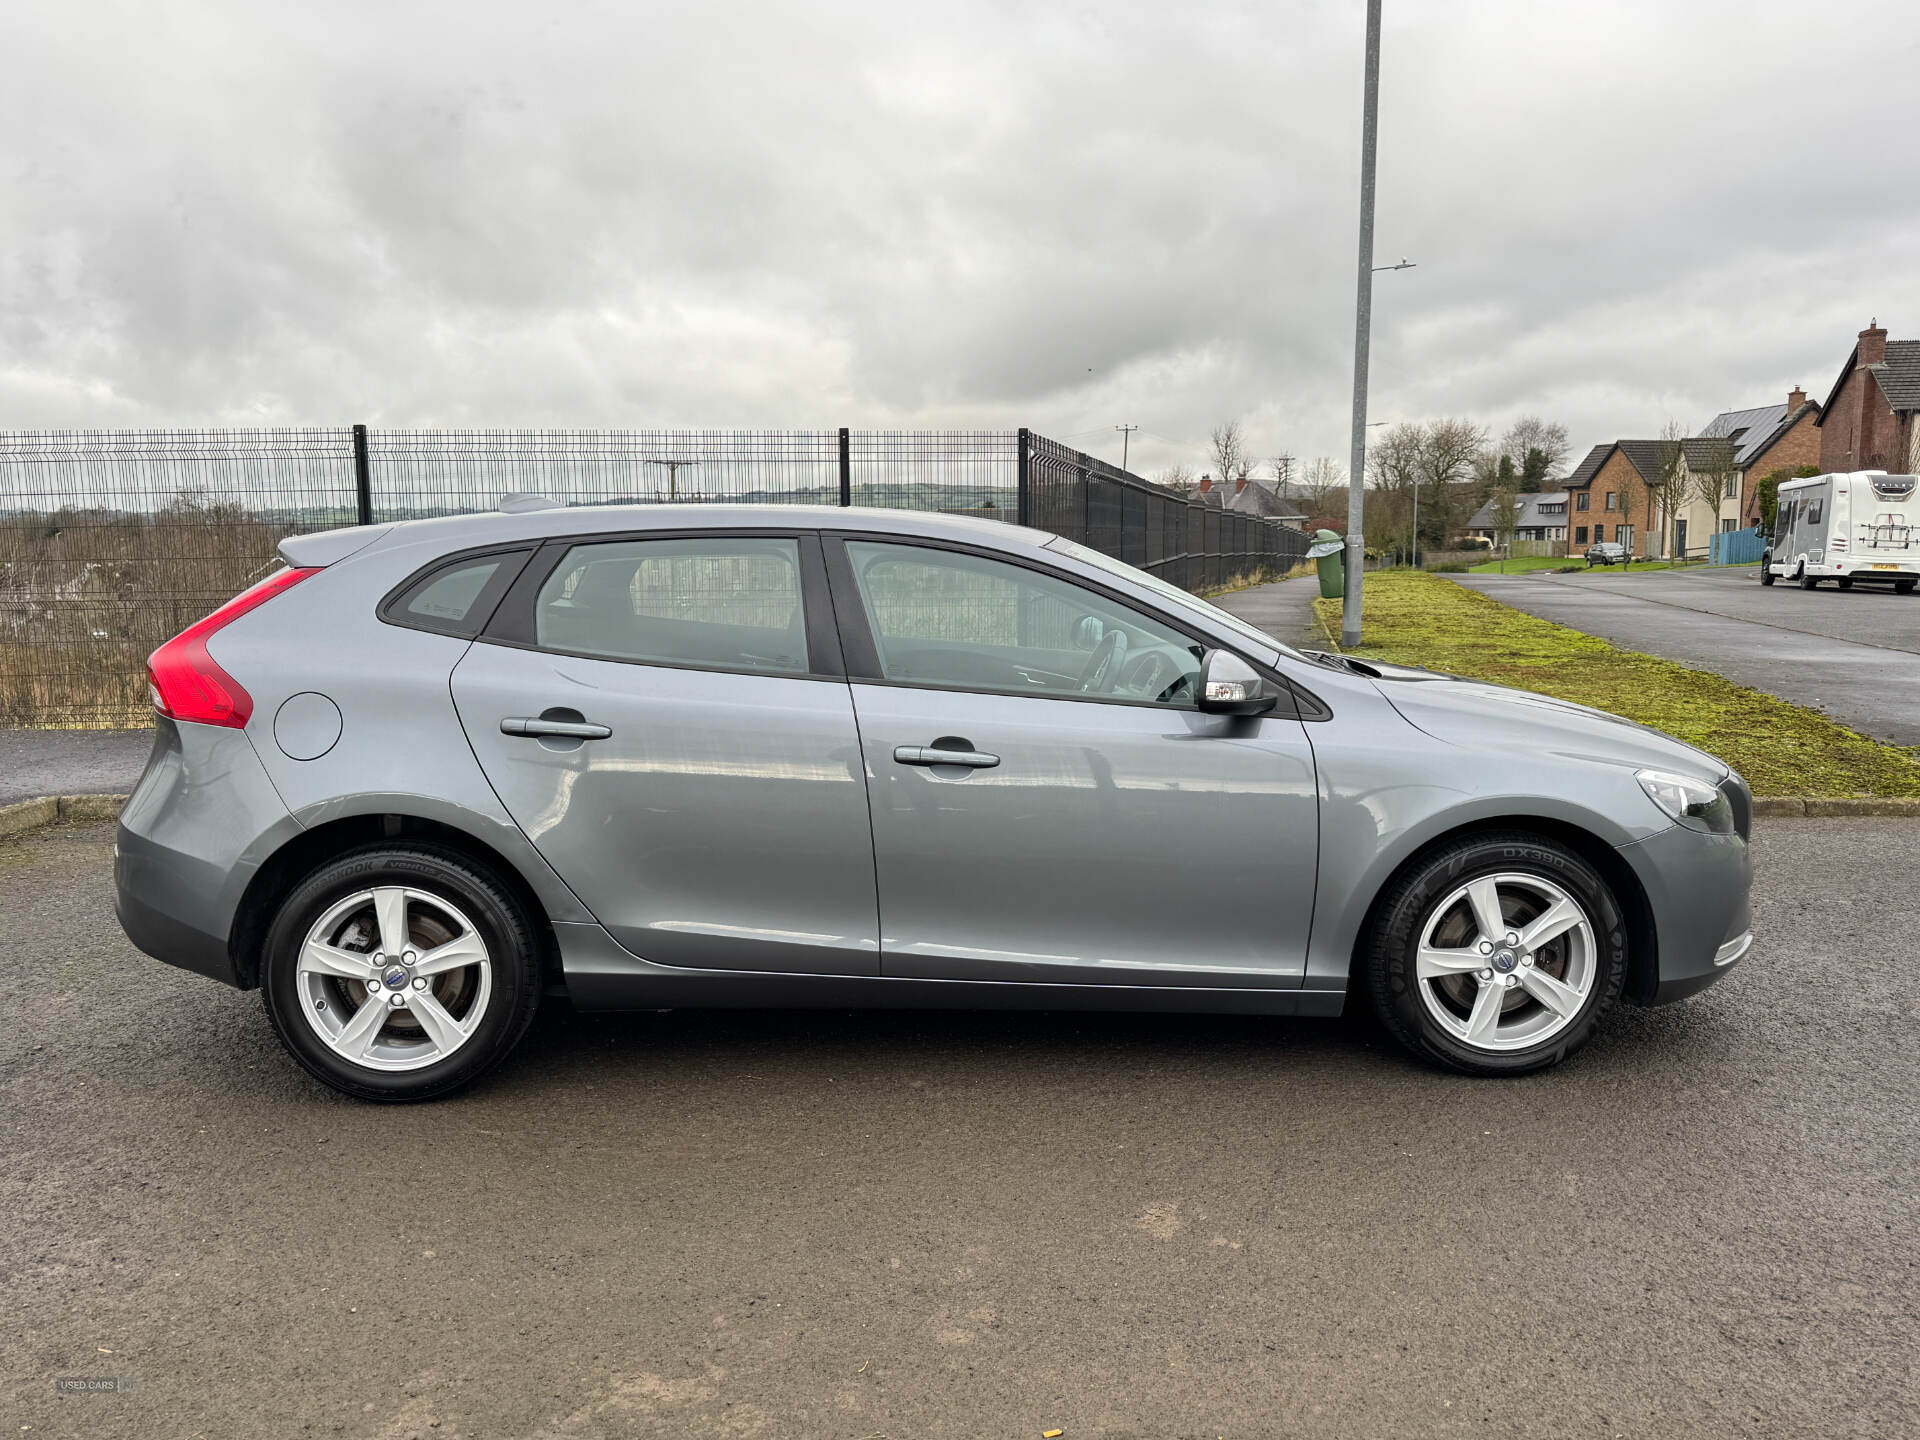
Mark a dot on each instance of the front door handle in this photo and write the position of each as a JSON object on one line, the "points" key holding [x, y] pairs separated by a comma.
{"points": [[540, 725], [933, 755]]}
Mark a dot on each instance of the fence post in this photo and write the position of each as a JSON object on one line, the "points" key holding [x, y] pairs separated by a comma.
{"points": [[362, 476], [1022, 497], [846, 467]]}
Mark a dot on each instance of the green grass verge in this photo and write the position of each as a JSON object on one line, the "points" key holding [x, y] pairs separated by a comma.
{"points": [[1521, 564], [1782, 749]]}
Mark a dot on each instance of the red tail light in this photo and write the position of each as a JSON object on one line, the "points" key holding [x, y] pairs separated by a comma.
{"points": [[187, 685]]}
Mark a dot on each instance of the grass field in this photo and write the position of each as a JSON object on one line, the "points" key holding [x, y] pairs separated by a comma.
{"points": [[1782, 749], [1521, 564]]}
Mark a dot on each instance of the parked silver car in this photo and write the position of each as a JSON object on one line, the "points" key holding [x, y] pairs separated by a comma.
{"points": [[655, 757]]}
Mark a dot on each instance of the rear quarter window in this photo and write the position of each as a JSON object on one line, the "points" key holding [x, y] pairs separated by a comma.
{"points": [[456, 598]]}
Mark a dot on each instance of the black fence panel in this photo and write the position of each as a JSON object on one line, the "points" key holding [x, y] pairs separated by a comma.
{"points": [[113, 540]]}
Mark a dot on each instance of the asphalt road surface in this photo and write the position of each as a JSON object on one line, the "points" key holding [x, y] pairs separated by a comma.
{"points": [[71, 762], [1854, 654], [860, 1225]]}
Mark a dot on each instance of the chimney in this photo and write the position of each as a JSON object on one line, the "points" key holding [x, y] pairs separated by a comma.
{"points": [[1796, 397], [1206, 483], [1239, 483], [1873, 344]]}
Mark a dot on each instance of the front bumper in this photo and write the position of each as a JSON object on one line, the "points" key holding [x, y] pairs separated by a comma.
{"points": [[1699, 888]]}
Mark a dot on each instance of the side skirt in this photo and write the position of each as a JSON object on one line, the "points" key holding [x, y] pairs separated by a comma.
{"points": [[601, 975]]}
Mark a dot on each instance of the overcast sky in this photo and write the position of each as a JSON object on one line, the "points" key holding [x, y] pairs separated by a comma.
{"points": [[901, 215]]}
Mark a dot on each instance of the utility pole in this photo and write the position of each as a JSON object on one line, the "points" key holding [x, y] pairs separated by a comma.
{"points": [[674, 467], [1415, 551], [1362, 324], [1126, 436]]}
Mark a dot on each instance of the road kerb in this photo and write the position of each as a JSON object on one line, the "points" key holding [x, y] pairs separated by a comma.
{"points": [[25, 815]]}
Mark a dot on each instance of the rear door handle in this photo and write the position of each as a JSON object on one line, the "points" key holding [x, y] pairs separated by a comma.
{"points": [[570, 729], [931, 755]]}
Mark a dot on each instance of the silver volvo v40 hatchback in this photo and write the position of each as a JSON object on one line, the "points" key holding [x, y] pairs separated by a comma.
{"points": [[433, 772]]}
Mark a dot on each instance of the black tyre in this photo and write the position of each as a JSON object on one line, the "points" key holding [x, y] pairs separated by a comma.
{"points": [[401, 972], [1903, 587], [1807, 582], [1487, 997], [1843, 583], [1766, 569]]}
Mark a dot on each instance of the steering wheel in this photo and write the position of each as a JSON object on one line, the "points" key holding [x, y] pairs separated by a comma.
{"points": [[1103, 666], [1149, 674]]}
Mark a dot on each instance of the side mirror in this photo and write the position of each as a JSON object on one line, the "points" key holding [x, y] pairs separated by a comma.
{"points": [[1230, 686]]}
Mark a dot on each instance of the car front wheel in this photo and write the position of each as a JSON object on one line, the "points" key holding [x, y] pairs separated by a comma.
{"points": [[400, 972], [1496, 955]]}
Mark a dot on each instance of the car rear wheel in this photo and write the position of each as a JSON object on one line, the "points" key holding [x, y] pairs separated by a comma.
{"points": [[1496, 955], [1903, 587], [1844, 583], [400, 972]]}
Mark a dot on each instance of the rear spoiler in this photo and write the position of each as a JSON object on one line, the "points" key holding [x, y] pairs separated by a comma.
{"points": [[325, 547]]}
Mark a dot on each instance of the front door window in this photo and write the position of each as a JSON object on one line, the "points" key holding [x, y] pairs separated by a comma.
{"points": [[948, 618]]}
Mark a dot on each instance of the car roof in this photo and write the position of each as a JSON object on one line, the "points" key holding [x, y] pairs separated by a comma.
{"points": [[460, 532]]}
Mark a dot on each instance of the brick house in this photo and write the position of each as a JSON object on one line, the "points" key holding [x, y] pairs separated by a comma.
{"points": [[1765, 439], [1867, 422], [1615, 494]]}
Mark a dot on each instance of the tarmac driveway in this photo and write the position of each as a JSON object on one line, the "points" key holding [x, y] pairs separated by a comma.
{"points": [[1854, 654], [853, 1226]]}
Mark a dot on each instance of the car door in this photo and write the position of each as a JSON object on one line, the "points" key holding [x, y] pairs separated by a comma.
{"points": [[1048, 802], [666, 718]]}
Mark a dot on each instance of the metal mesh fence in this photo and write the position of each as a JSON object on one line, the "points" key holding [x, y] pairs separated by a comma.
{"points": [[113, 540], [1187, 543]]}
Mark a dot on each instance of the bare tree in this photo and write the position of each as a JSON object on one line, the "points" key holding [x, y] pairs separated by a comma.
{"points": [[1535, 449], [1506, 516], [1230, 452], [1446, 456], [1710, 468], [1178, 478], [1323, 477], [1393, 472], [1670, 469]]}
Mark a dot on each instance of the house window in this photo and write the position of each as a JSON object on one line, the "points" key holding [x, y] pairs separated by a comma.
{"points": [[1599, 533], [1733, 483], [1613, 500], [1581, 503], [1580, 535]]}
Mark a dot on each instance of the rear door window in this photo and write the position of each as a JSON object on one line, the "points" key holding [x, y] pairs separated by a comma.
{"points": [[711, 602]]}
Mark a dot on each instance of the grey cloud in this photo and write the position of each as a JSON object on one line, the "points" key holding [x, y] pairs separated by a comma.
{"points": [[753, 214]]}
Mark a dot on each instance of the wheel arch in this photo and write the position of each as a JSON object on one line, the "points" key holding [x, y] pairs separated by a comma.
{"points": [[294, 860], [1643, 945]]}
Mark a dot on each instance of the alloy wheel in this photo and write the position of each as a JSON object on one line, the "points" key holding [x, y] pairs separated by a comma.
{"points": [[1506, 961], [394, 978]]}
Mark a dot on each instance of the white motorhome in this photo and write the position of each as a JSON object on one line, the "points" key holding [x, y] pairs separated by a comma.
{"points": [[1843, 528]]}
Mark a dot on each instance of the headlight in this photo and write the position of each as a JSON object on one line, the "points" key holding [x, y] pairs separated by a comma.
{"points": [[1691, 802]]}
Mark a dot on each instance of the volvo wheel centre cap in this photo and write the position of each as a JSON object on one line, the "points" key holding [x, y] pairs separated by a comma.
{"points": [[396, 978], [1503, 960]]}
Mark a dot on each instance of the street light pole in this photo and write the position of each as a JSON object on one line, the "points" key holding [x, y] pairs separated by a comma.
{"points": [[1362, 325]]}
